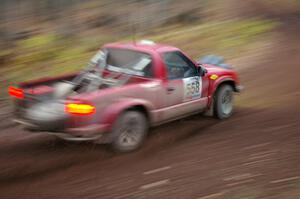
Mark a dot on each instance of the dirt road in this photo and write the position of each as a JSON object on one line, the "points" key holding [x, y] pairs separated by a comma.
{"points": [[255, 154]]}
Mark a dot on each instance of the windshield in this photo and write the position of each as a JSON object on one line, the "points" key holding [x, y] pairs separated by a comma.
{"points": [[129, 62]]}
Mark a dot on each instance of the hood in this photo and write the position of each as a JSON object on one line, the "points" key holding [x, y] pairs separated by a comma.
{"points": [[221, 72], [213, 69]]}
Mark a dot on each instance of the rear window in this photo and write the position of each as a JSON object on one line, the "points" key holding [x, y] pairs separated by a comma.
{"points": [[129, 61]]}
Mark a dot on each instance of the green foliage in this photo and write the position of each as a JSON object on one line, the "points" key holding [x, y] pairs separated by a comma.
{"points": [[38, 41], [226, 37], [37, 49], [44, 55], [49, 55]]}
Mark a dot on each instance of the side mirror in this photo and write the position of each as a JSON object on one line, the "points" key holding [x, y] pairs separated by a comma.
{"points": [[201, 70]]}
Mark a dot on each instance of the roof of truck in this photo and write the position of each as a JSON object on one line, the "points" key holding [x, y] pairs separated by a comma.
{"points": [[144, 46]]}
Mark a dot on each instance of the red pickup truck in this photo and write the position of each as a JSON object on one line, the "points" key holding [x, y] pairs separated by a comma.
{"points": [[126, 88]]}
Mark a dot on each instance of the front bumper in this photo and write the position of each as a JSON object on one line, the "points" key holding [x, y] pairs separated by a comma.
{"points": [[86, 133], [239, 88]]}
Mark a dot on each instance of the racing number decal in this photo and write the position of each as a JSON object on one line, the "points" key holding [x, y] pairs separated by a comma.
{"points": [[192, 88]]}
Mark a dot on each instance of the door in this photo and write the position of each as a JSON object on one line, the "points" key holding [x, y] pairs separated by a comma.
{"points": [[183, 90]]}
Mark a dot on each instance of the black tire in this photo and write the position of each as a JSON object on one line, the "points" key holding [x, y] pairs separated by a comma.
{"points": [[223, 102], [129, 131]]}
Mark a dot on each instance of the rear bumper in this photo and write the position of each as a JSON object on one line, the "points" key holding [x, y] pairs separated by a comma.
{"points": [[85, 133]]}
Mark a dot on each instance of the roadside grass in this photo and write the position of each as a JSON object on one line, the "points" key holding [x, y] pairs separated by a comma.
{"points": [[244, 193], [49, 55], [227, 38], [295, 184]]}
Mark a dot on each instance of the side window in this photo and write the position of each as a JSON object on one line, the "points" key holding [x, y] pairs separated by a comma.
{"points": [[178, 66]]}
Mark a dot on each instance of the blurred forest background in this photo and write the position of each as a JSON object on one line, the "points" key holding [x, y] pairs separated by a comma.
{"points": [[41, 38]]}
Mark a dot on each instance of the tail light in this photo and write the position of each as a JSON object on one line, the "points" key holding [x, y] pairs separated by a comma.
{"points": [[79, 108], [16, 92]]}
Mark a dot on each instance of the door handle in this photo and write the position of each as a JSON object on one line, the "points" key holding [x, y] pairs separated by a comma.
{"points": [[170, 89]]}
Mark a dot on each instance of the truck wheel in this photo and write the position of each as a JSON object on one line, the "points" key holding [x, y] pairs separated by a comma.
{"points": [[223, 102], [129, 131]]}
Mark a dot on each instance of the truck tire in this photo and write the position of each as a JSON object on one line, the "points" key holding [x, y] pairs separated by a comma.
{"points": [[129, 131], [223, 102]]}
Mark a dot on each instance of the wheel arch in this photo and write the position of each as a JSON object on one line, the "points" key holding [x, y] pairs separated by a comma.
{"points": [[112, 112], [223, 81], [217, 84], [227, 82], [141, 108]]}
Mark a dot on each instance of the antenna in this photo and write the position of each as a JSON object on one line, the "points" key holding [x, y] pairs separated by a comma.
{"points": [[133, 28], [133, 34]]}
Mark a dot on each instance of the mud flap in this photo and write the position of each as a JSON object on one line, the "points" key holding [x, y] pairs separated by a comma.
{"points": [[210, 111]]}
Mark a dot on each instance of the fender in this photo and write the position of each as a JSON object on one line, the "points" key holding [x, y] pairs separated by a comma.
{"points": [[112, 112], [214, 84]]}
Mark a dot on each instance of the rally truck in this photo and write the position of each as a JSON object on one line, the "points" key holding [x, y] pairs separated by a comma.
{"points": [[125, 89]]}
